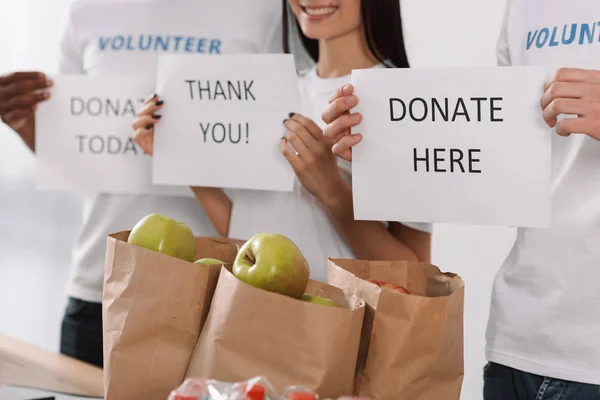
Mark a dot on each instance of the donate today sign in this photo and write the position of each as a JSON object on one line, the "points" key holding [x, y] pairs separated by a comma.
{"points": [[223, 120], [84, 137], [453, 145]]}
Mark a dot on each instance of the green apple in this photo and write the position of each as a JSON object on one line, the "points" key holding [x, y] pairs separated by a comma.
{"points": [[209, 261], [318, 300], [165, 235], [272, 262]]}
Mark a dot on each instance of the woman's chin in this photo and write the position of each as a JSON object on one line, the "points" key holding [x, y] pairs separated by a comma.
{"points": [[317, 32]]}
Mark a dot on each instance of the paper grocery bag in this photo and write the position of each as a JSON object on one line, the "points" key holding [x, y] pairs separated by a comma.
{"points": [[153, 309], [412, 345], [251, 332]]}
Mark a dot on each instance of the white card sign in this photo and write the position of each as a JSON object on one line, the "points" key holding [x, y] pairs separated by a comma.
{"points": [[223, 120], [455, 145], [84, 137]]}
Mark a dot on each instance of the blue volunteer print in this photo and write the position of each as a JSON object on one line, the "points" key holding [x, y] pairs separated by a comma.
{"points": [[575, 34], [159, 43]]}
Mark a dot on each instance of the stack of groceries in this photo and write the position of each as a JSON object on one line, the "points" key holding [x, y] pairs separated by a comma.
{"points": [[200, 311]]}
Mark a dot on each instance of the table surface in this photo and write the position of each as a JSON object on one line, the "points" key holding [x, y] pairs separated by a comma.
{"points": [[21, 393], [23, 364]]}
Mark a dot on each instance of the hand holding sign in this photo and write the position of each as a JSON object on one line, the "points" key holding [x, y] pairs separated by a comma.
{"points": [[312, 160], [20, 93], [575, 92], [340, 122], [143, 124]]}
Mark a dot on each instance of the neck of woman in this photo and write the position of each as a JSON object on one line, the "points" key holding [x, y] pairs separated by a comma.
{"points": [[340, 55]]}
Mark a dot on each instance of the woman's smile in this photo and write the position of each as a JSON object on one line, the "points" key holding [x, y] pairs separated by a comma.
{"points": [[319, 12]]}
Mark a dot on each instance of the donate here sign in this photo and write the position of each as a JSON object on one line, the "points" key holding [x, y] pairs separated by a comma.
{"points": [[84, 137], [223, 120], [457, 145]]}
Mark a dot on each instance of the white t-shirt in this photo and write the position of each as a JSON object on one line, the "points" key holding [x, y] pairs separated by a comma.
{"points": [[298, 214], [124, 37], [546, 298]]}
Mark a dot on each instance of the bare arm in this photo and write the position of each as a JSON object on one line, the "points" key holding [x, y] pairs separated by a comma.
{"points": [[316, 168], [417, 240], [217, 206], [370, 240]]}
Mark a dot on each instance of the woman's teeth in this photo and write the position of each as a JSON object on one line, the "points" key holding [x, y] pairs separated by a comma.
{"points": [[319, 11]]}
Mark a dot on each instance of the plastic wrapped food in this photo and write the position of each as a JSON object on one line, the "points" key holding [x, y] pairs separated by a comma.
{"points": [[299, 393], [192, 389], [257, 388], [253, 389], [207, 389]]}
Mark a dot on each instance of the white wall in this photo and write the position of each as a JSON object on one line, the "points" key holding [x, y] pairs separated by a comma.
{"points": [[37, 228]]}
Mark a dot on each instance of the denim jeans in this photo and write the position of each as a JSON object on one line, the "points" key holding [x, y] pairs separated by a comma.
{"points": [[81, 333], [505, 383]]}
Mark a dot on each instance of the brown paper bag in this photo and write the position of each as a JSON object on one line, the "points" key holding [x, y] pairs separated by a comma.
{"points": [[251, 332], [153, 309], [412, 345]]}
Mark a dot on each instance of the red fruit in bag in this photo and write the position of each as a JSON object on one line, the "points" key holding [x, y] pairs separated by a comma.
{"points": [[389, 285], [254, 392]]}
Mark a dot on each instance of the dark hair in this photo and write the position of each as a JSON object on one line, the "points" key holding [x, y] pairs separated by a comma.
{"points": [[383, 31]]}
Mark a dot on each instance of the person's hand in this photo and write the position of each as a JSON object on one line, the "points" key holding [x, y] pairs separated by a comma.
{"points": [[576, 92], [143, 124], [311, 157], [339, 122], [20, 93]]}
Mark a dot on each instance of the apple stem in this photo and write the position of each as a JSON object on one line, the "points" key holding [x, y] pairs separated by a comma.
{"points": [[249, 258]]}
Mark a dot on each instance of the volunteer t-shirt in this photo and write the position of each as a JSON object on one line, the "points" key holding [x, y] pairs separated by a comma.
{"points": [[124, 37], [298, 214], [546, 297]]}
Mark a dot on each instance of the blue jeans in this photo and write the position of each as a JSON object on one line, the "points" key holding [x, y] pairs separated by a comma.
{"points": [[505, 383], [81, 332]]}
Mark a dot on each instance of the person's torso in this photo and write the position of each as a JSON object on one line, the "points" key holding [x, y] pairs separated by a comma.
{"points": [[125, 37], [546, 295]]}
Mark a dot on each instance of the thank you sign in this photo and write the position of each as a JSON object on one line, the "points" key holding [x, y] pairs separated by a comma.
{"points": [[223, 120]]}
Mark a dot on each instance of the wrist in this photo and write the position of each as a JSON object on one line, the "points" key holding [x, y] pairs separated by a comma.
{"points": [[338, 194], [27, 135]]}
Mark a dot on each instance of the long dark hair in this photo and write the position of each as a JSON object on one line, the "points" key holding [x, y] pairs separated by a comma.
{"points": [[383, 31]]}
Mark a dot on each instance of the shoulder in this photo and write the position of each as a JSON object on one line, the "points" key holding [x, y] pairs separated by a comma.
{"points": [[78, 7], [511, 7], [83, 14], [305, 73]]}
